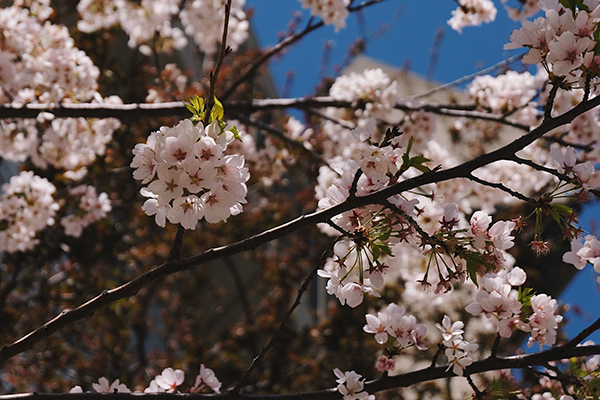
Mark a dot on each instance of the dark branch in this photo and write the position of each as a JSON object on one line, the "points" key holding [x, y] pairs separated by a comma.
{"points": [[169, 267], [383, 383], [215, 74], [288, 314], [172, 109], [505, 189]]}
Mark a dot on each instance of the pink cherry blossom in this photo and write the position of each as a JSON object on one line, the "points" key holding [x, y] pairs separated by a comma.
{"points": [[205, 378], [103, 386], [169, 379], [566, 54]]}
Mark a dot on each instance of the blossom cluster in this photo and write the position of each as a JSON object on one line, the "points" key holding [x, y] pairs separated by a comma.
{"points": [[149, 22], [472, 13], [372, 86], [26, 207], [392, 322], [510, 93], [332, 12], [188, 175], [167, 381], [40, 64], [568, 164], [91, 207], [562, 40], [348, 279], [203, 20], [583, 253], [508, 309], [491, 241], [458, 351], [526, 9], [351, 385]]}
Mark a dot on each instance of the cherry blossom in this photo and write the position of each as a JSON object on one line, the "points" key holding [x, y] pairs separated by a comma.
{"points": [[203, 21], [169, 379], [104, 387], [583, 253], [27, 206], [542, 324], [449, 329], [351, 386], [333, 12], [472, 13], [206, 377], [188, 175], [566, 53], [92, 207]]}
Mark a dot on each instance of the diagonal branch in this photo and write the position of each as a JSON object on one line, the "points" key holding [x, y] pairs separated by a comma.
{"points": [[505, 189], [130, 288]]}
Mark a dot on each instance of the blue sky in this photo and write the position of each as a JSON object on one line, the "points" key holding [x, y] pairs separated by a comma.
{"points": [[412, 27]]}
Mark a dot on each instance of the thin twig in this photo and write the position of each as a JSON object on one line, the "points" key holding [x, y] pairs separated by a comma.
{"points": [[338, 121], [495, 346], [268, 54], [583, 334], [286, 317], [383, 383], [505, 189], [354, 186], [280, 135], [178, 242], [215, 74], [478, 394], [551, 96], [467, 78], [171, 109], [338, 228], [541, 168]]}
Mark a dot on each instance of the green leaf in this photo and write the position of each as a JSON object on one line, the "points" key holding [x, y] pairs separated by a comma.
{"points": [[196, 107], [560, 213], [190, 108], [376, 250], [236, 133], [422, 168], [474, 259], [417, 162], [385, 233], [385, 248], [595, 383], [217, 113], [525, 295], [581, 5]]}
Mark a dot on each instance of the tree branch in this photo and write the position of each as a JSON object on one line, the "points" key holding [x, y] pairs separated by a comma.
{"points": [[280, 135], [503, 188], [215, 74], [470, 77], [169, 267], [288, 314], [171, 109], [282, 45], [383, 383]]}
